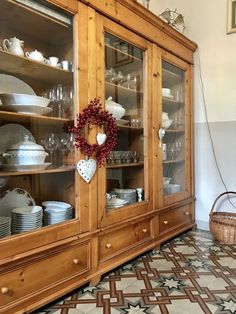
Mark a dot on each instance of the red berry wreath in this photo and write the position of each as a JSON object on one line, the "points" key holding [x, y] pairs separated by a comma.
{"points": [[94, 115]]}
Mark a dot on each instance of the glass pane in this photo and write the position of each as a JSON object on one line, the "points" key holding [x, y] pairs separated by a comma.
{"points": [[124, 81], [36, 85], [173, 122]]}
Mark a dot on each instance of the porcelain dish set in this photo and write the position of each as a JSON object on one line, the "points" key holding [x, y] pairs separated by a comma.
{"points": [[19, 213], [15, 46]]}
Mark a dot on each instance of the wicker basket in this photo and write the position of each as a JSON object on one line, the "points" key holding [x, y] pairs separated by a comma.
{"points": [[223, 224]]}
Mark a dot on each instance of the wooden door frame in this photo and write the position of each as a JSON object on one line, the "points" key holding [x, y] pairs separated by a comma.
{"points": [[106, 219]]}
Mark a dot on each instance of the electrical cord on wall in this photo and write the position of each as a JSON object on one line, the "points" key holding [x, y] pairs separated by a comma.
{"points": [[208, 125]]}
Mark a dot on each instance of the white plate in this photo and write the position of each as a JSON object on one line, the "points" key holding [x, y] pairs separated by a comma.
{"points": [[27, 209], [27, 109], [56, 204], [12, 133], [14, 198], [11, 84], [17, 167]]}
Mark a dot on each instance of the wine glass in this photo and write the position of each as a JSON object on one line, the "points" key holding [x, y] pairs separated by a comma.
{"points": [[51, 144], [64, 144]]}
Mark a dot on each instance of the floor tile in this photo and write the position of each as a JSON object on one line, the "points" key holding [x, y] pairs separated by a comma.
{"points": [[190, 274]]}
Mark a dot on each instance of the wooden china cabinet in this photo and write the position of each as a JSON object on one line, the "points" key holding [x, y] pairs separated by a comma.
{"points": [[121, 53]]}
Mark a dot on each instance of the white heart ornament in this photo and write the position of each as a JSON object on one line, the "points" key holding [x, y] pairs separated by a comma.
{"points": [[101, 138], [86, 169]]}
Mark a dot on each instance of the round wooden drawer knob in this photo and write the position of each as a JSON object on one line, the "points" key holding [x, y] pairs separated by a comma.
{"points": [[108, 245], [144, 230], [4, 290], [76, 261], [187, 213], [165, 222]]}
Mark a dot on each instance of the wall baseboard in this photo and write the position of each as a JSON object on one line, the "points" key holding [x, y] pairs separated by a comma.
{"points": [[203, 225]]}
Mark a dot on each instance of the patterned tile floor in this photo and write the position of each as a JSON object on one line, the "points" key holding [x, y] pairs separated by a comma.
{"points": [[190, 274]]}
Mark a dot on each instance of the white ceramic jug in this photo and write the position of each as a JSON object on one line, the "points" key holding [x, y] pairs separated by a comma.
{"points": [[14, 45]]}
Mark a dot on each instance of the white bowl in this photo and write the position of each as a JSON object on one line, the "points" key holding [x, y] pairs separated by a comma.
{"points": [[166, 123], [9, 99], [115, 109], [173, 188]]}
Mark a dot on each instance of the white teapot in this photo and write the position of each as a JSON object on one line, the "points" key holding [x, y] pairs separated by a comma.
{"points": [[14, 45], [36, 55]]}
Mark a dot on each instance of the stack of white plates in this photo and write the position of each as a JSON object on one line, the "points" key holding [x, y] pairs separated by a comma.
{"points": [[56, 212], [5, 226], [26, 218], [128, 195]]}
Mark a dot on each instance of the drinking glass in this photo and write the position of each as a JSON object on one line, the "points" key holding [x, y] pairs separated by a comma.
{"points": [[51, 144], [64, 144]]}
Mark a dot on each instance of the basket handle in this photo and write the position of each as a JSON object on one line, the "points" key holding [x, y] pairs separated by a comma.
{"points": [[228, 192]]}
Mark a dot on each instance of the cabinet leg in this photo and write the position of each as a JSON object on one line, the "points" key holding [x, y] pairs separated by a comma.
{"points": [[94, 281]]}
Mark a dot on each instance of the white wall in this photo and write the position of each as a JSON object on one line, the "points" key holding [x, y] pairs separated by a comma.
{"points": [[206, 22]]}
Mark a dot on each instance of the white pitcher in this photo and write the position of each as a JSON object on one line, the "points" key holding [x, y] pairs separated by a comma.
{"points": [[14, 45]]}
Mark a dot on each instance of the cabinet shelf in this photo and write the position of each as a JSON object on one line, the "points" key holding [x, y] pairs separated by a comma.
{"points": [[136, 164], [129, 128], [123, 53], [174, 130], [173, 161], [169, 101], [170, 78], [22, 118], [30, 69], [125, 90], [49, 170]]}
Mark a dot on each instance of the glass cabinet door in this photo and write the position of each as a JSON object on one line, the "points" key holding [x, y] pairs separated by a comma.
{"points": [[37, 176], [175, 132], [124, 81]]}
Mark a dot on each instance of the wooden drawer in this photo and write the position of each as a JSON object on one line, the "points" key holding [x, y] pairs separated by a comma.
{"points": [[120, 240], [175, 217], [43, 273]]}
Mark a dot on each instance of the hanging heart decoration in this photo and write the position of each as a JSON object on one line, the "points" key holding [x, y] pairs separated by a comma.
{"points": [[101, 138], [87, 169]]}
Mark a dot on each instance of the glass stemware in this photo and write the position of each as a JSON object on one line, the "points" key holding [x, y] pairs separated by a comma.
{"points": [[64, 144], [51, 144]]}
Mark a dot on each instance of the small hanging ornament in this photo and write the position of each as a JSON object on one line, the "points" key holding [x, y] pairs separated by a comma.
{"points": [[87, 169], [101, 138]]}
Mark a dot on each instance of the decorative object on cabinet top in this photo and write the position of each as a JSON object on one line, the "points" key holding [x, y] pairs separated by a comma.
{"points": [[12, 198], [114, 108], [11, 84], [173, 18], [12, 133]]}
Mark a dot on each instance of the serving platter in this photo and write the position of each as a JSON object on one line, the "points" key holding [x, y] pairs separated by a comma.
{"points": [[17, 167], [12, 133], [11, 84], [12, 198]]}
